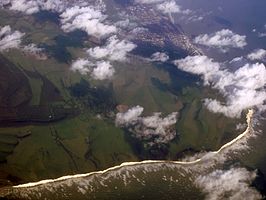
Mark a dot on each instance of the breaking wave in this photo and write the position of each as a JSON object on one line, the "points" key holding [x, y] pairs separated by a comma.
{"points": [[115, 179]]}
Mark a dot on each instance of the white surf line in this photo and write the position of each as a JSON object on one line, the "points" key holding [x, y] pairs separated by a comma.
{"points": [[247, 131]]}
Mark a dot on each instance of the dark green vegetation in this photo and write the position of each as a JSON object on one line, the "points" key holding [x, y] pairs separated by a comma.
{"points": [[97, 99], [56, 122]]}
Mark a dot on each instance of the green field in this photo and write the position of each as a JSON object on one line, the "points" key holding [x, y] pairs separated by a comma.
{"points": [[71, 134]]}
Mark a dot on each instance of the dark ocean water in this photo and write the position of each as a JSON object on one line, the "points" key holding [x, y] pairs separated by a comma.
{"points": [[168, 180], [244, 17]]}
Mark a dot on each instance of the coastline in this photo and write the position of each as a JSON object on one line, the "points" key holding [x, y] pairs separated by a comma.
{"points": [[249, 116]]}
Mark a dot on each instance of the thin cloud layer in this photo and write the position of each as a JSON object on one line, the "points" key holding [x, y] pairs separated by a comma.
{"points": [[242, 89], [115, 50], [9, 39], [259, 54], [88, 19], [223, 39], [231, 184], [165, 6], [153, 129]]}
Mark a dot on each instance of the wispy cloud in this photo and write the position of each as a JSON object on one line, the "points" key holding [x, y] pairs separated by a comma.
{"points": [[165, 6]]}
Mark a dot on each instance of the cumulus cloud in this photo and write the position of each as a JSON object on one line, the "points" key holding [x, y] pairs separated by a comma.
{"points": [[103, 70], [28, 7], [223, 39], [242, 88], [169, 7], [12, 40], [100, 70], [9, 39], [82, 66], [33, 6], [88, 19], [115, 50], [259, 54], [231, 184], [32, 49], [159, 56], [153, 129], [129, 117]]}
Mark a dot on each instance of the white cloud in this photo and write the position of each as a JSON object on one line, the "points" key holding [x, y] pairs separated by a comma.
{"points": [[149, 1], [82, 66], [87, 19], [169, 7], [103, 70], [100, 70], [262, 35], [154, 129], [139, 30], [233, 184], [28, 7], [159, 56], [4, 3], [9, 39], [53, 5], [166, 7], [259, 54], [129, 117], [32, 49], [223, 40], [12, 40], [35, 51], [33, 6], [242, 88], [113, 50]]}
